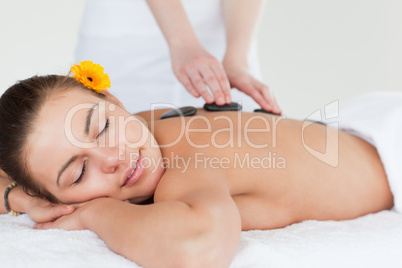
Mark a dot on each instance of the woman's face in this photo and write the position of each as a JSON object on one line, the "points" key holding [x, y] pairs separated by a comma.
{"points": [[84, 147]]}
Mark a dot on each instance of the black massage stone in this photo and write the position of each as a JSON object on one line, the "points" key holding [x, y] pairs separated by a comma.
{"points": [[213, 107], [264, 111], [318, 122], [182, 111]]}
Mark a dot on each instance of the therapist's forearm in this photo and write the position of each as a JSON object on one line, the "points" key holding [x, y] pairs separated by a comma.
{"points": [[173, 22], [241, 21]]}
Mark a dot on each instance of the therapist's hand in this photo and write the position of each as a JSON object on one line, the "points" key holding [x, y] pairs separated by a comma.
{"points": [[196, 69], [240, 78]]}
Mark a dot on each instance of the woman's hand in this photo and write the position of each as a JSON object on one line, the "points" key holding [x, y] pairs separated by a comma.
{"points": [[240, 78], [68, 222], [38, 209], [41, 210], [72, 221], [196, 69]]}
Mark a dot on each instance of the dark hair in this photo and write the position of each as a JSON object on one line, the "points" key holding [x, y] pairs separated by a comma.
{"points": [[19, 108]]}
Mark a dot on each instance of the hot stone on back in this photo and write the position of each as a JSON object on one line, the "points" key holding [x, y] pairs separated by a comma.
{"points": [[213, 107], [182, 111]]}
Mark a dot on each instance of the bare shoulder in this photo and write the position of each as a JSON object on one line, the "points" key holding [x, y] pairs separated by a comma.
{"points": [[176, 185]]}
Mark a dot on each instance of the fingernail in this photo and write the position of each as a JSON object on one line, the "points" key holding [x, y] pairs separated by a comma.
{"points": [[228, 100], [220, 100], [278, 110]]}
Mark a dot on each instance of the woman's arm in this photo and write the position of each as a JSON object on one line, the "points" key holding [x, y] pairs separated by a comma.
{"points": [[13, 197], [38, 209], [241, 21], [17, 199], [194, 67], [198, 225]]}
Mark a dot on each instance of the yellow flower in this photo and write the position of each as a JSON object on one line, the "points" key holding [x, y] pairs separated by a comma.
{"points": [[91, 75]]}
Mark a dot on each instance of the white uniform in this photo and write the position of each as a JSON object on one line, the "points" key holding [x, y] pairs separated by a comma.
{"points": [[123, 36]]}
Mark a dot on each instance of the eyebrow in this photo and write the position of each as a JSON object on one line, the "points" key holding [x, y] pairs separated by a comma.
{"points": [[89, 117], [73, 158]]}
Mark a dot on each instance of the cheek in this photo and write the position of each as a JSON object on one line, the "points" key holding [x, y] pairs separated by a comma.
{"points": [[98, 182], [132, 133], [93, 185], [86, 192]]}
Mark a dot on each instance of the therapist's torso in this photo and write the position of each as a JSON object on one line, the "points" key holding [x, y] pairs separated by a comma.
{"points": [[123, 36]]}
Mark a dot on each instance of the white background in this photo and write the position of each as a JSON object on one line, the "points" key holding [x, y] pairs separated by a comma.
{"points": [[312, 52]]}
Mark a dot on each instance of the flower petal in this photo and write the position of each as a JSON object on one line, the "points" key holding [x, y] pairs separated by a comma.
{"points": [[91, 75]]}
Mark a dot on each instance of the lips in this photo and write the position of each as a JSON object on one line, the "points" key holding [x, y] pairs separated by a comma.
{"points": [[134, 174]]}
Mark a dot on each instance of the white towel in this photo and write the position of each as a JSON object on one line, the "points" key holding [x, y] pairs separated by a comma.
{"points": [[373, 240]]}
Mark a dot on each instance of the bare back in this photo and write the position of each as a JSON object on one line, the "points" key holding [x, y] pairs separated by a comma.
{"points": [[278, 171]]}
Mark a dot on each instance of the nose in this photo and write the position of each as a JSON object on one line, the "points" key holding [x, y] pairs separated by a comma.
{"points": [[107, 159]]}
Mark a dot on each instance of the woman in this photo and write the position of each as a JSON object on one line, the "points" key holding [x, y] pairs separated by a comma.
{"points": [[155, 50], [204, 178]]}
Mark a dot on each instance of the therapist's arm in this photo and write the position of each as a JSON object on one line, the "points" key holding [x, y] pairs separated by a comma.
{"points": [[241, 21], [194, 67]]}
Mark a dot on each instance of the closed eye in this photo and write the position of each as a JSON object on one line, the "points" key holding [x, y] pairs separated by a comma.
{"points": [[84, 165], [104, 129], [82, 173]]}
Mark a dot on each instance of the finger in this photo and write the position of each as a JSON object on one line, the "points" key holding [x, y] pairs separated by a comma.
{"points": [[55, 212], [185, 81], [258, 96], [78, 205], [64, 210], [269, 97], [211, 80], [43, 226], [199, 85], [266, 101], [277, 109], [250, 88], [222, 80]]}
